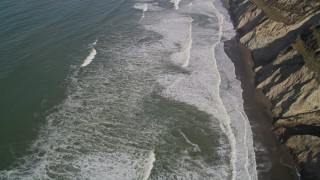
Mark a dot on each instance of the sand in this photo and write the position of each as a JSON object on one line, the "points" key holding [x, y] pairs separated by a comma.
{"points": [[273, 161]]}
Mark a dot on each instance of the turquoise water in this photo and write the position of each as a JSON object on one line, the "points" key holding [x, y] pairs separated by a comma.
{"points": [[119, 90]]}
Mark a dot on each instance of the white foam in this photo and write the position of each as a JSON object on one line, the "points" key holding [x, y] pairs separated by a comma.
{"points": [[149, 165], [143, 7], [195, 43], [89, 58], [202, 87], [92, 54], [177, 31], [188, 46], [175, 3], [226, 122], [116, 165], [188, 141], [182, 57], [95, 42], [95, 133], [231, 96]]}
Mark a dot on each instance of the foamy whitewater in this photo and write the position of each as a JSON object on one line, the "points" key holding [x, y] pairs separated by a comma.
{"points": [[91, 56], [143, 7], [161, 101], [176, 3]]}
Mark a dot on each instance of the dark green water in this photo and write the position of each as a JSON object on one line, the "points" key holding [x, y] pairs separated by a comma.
{"points": [[119, 90], [39, 42]]}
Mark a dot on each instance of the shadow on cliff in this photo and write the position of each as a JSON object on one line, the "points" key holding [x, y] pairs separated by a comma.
{"points": [[313, 163], [264, 55], [299, 130]]}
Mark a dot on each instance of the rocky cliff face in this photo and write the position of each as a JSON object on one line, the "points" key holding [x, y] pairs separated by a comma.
{"points": [[284, 39]]}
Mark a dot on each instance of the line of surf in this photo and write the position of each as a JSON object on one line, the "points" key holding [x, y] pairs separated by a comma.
{"points": [[91, 56], [143, 7], [189, 142], [149, 164], [227, 124], [226, 127], [175, 4], [189, 45], [182, 58]]}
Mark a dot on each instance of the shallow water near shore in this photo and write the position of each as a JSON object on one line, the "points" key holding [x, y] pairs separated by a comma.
{"points": [[121, 89], [273, 161]]}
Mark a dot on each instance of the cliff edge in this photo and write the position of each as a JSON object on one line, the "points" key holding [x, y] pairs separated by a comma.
{"points": [[284, 39]]}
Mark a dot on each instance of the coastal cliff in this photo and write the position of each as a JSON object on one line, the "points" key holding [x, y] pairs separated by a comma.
{"points": [[284, 39]]}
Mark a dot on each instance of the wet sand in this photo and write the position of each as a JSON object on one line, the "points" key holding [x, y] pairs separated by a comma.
{"points": [[273, 161]]}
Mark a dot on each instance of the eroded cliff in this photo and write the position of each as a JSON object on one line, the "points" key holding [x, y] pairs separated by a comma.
{"points": [[284, 39]]}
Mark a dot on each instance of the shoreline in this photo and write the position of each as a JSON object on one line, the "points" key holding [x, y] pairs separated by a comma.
{"points": [[273, 161]]}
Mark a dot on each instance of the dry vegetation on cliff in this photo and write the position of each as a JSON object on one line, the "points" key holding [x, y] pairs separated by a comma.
{"points": [[288, 11], [308, 45]]}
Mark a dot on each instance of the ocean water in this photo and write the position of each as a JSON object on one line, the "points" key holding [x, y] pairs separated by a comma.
{"points": [[120, 89]]}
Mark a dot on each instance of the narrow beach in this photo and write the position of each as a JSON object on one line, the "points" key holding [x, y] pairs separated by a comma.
{"points": [[273, 162]]}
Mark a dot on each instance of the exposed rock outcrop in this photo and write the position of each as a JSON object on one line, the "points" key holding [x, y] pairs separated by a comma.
{"points": [[284, 39]]}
